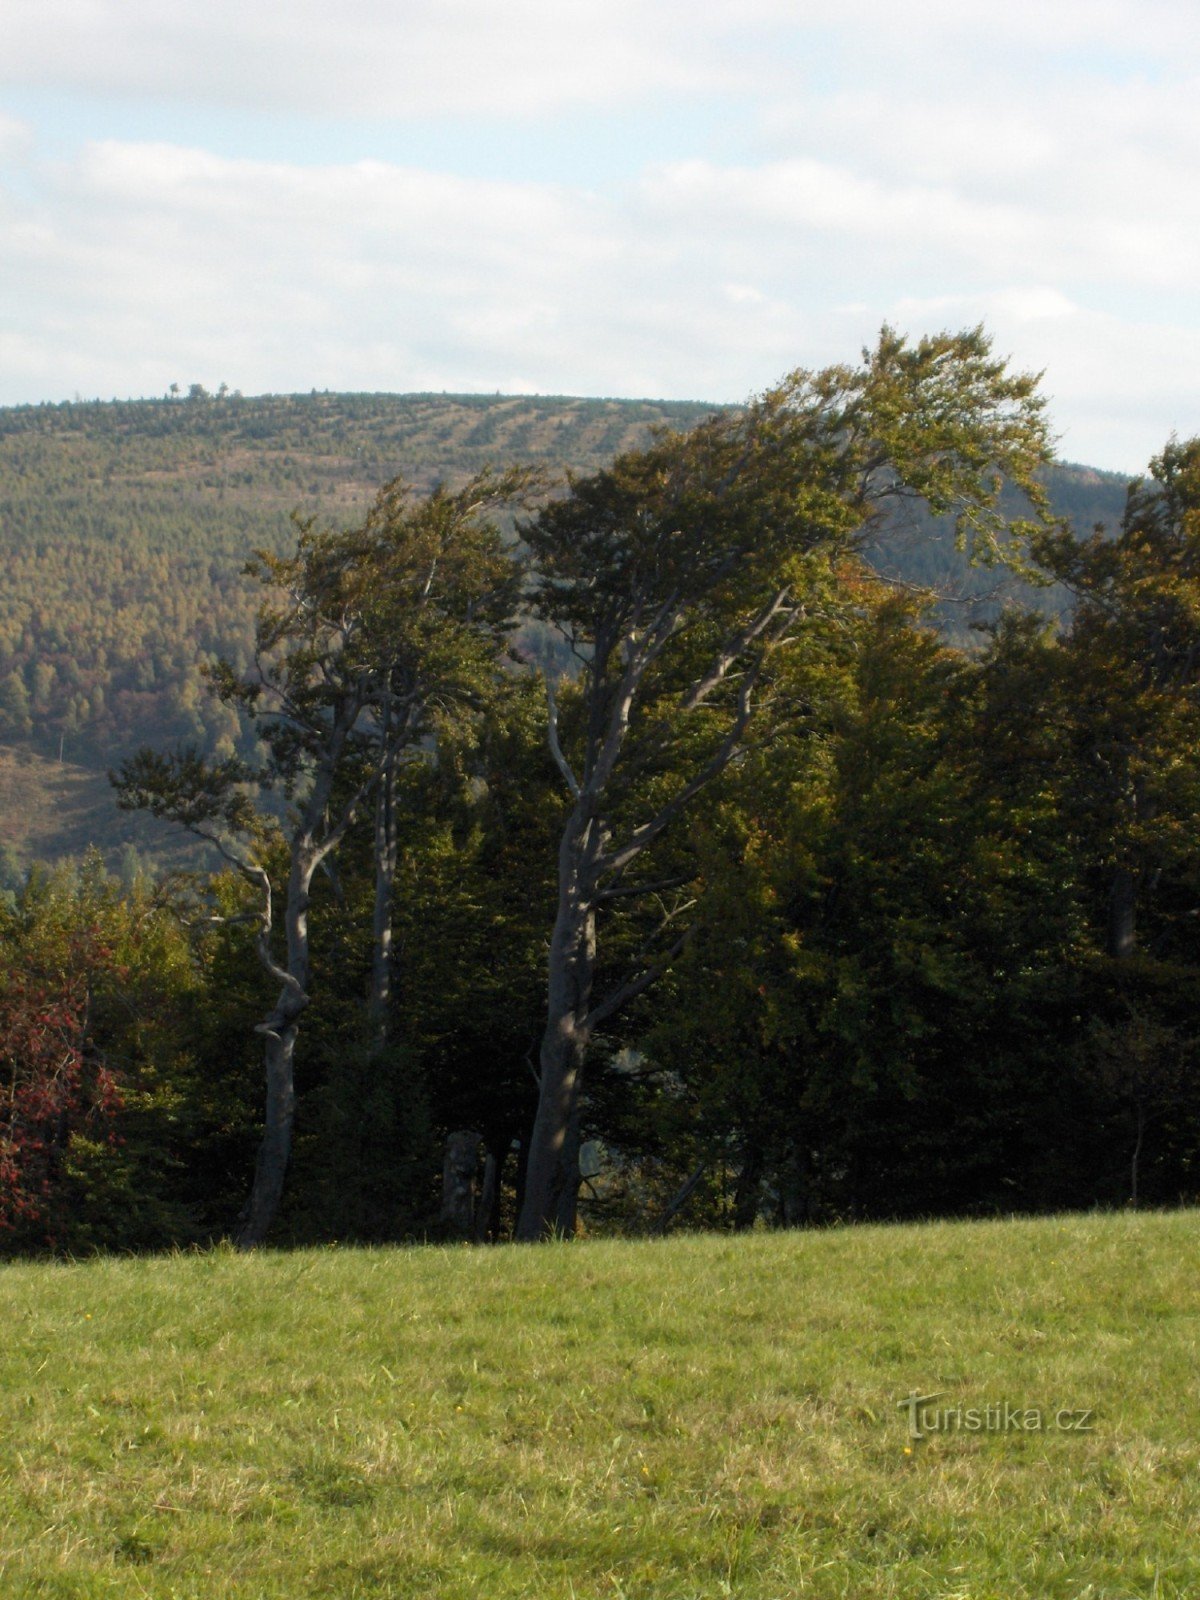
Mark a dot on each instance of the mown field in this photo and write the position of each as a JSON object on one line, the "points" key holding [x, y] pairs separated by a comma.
{"points": [[700, 1416]]}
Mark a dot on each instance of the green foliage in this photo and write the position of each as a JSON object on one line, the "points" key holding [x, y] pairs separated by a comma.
{"points": [[125, 1180], [1129, 670], [898, 1000], [182, 787]]}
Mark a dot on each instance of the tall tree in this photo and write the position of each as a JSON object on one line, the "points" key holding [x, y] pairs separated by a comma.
{"points": [[370, 636], [676, 575], [438, 609]]}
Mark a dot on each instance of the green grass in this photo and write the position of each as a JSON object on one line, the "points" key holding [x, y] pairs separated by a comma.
{"points": [[695, 1417]]}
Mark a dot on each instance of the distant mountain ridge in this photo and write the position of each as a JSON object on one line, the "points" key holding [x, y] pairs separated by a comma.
{"points": [[124, 526]]}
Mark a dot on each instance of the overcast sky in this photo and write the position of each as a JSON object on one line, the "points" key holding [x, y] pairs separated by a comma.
{"points": [[601, 197]]}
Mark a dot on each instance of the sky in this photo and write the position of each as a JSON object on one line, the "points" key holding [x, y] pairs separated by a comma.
{"points": [[672, 199]]}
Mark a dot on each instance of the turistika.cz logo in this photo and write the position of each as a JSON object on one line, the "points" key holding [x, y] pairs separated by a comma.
{"points": [[999, 1416]]}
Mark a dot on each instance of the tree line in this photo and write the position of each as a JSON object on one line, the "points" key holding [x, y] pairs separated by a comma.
{"points": [[770, 905]]}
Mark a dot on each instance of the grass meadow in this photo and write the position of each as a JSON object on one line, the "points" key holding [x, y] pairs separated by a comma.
{"points": [[700, 1416]]}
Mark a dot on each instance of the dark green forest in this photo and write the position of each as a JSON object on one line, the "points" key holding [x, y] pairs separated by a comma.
{"points": [[841, 798]]}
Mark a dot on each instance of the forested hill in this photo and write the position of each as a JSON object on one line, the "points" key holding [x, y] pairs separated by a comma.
{"points": [[124, 527]]}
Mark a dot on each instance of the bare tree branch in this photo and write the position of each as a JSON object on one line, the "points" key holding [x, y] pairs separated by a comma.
{"points": [[556, 749], [680, 1198], [634, 986], [614, 860], [732, 649], [622, 890]]}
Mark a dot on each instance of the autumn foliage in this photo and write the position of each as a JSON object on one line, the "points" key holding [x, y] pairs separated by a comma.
{"points": [[53, 1085]]}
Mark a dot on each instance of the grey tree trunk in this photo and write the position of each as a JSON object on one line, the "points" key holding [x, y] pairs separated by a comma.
{"points": [[489, 1196], [270, 1169], [459, 1171], [312, 841], [569, 1180], [382, 918], [279, 1032], [795, 1205], [747, 1191], [552, 1171], [587, 856], [1122, 910]]}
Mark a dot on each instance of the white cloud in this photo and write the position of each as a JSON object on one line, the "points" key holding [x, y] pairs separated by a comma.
{"points": [[1033, 303], [806, 197], [145, 264], [778, 210], [288, 276], [1101, 177], [414, 58], [1021, 138], [366, 57], [936, 37], [1029, 163]]}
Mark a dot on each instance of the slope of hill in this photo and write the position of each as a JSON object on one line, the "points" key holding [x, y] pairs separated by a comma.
{"points": [[124, 527], [689, 1417], [51, 808]]}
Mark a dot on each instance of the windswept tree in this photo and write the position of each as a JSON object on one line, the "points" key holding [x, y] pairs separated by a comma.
{"points": [[371, 639], [676, 576]]}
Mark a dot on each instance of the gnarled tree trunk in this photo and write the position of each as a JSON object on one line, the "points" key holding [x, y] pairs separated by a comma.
{"points": [[279, 1032], [552, 1170], [313, 840]]}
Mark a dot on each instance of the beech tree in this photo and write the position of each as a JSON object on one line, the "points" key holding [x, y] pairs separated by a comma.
{"points": [[676, 576], [440, 591], [370, 639]]}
